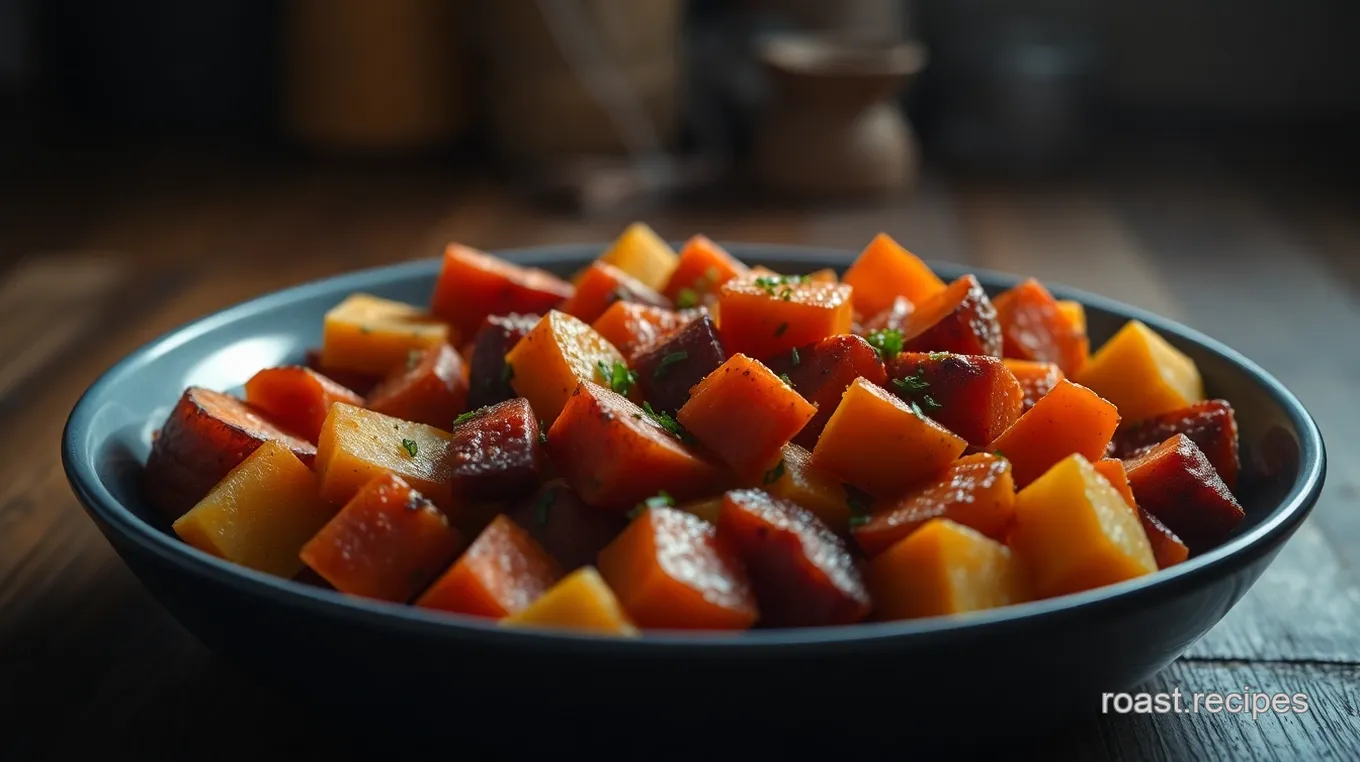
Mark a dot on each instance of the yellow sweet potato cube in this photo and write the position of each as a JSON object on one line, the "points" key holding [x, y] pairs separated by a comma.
{"points": [[944, 568], [261, 513], [1074, 532], [641, 253], [368, 335], [1074, 312], [357, 444], [552, 359], [580, 601], [1142, 374], [794, 478]]}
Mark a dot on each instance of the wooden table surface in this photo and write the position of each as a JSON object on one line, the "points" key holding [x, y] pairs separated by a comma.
{"points": [[1253, 248]]}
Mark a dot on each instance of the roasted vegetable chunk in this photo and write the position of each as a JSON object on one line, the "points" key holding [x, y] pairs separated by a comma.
{"points": [[821, 372], [431, 388], [571, 531], [1211, 425], [1036, 378], [885, 271], [207, 435], [960, 319], [971, 395], [488, 380], [581, 601], [668, 371], [632, 327], [261, 514], [602, 285], [944, 568], [359, 383], [1141, 373], [500, 574], [877, 443], [1070, 419], [704, 266], [1113, 471], [495, 453], [386, 543], [763, 315], [615, 454], [641, 253], [802, 572], [546, 366], [357, 445], [1075, 532], [474, 285], [297, 398], [894, 318], [744, 413], [794, 478], [1167, 548], [1033, 327], [368, 335], [976, 491], [1175, 482], [672, 571]]}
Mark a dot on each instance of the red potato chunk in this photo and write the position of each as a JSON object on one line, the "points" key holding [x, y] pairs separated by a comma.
{"points": [[960, 319], [668, 371], [1176, 483], [488, 381], [571, 531], [495, 454], [431, 388], [1211, 425], [821, 372], [973, 396]]}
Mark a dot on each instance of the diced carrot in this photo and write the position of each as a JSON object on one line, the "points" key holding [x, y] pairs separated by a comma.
{"points": [[744, 413], [431, 388], [885, 271], [707, 509], [1074, 531], [386, 543], [959, 319], [667, 371], [614, 454], [495, 453], [641, 253], [1142, 374], [547, 365], [206, 435], [671, 571], [1036, 378], [488, 381], [1033, 327], [368, 335], [944, 568], [1211, 425], [1074, 312], [824, 275], [821, 373], [571, 531], [976, 491], [581, 601], [1070, 419], [703, 267], [501, 573], [261, 514], [357, 445], [359, 383], [473, 285], [878, 444], [297, 398], [894, 318], [1175, 482], [601, 285], [631, 327], [794, 478], [802, 572], [761, 316], [1167, 548], [1113, 471], [971, 395]]}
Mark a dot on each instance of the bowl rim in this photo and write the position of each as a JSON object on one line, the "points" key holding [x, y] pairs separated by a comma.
{"points": [[1221, 562]]}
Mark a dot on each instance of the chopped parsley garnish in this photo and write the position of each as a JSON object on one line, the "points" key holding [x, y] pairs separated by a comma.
{"points": [[542, 431], [930, 402], [938, 355], [411, 446], [858, 504], [771, 283], [785, 378], [465, 416], [665, 421], [999, 454], [781, 329], [619, 378], [545, 502], [886, 341], [669, 360], [916, 382], [412, 359], [661, 499], [794, 355], [911, 389], [712, 274], [786, 294], [776, 473], [507, 373], [687, 298]]}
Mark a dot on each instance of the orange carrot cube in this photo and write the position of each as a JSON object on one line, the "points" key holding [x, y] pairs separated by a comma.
{"points": [[885, 271], [500, 574], [473, 285], [763, 315], [976, 491], [1070, 419], [703, 267]]}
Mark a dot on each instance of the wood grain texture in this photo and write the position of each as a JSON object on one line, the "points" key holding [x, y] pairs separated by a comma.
{"points": [[89, 658]]}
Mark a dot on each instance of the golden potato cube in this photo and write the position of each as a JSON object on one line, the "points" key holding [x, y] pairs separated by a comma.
{"points": [[944, 568], [369, 335], [580, 601], [1142, 374], [357, 444], [641, 253], [552, 359]]}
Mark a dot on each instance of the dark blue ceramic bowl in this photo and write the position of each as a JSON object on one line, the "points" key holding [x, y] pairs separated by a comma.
{"points": [[1002, 669]]}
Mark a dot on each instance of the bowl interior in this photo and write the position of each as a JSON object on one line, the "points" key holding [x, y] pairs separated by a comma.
{"points": [[109, 435]]}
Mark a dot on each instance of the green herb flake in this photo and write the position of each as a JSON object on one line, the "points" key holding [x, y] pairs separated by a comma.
{"points": [[930, 402], [542, 432], [665, 421], [687, 298], [916, 382], [412, 359], [775, 474], [793, 354], [365, 330], [785, 378], [1000, 454], [886, 341], [544, 502], [467, 416], [507, 373], [712, 274], [786, 294], [666, 362], [938, 355], [858, 521], [411, 446], [781, 329], [619, 377], [661, 499], [858, 505]]}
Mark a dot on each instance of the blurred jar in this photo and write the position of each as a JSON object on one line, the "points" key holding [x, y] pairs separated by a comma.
{"points": [[375, 76]]}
